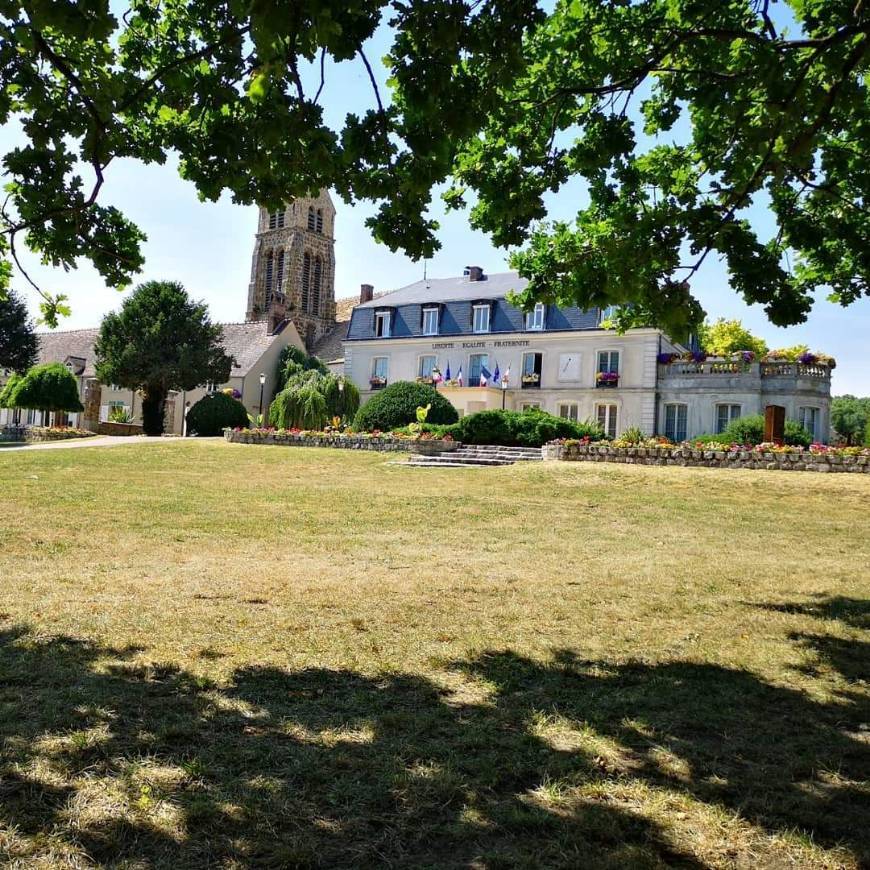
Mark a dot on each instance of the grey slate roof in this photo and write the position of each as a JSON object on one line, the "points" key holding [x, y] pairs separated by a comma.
{"points": [[245, 342], [451, 290], [454, 298]]}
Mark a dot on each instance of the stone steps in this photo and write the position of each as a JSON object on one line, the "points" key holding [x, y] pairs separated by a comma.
{"points": [[478, 456]]}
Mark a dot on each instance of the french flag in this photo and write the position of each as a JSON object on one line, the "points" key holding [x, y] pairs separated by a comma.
{"points": [[459, 377]]}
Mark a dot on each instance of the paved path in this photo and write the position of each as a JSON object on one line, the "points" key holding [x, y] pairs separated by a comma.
{"points": [[100, 441]]}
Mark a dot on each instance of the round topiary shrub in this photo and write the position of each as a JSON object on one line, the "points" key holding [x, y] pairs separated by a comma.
{"points": [[396, 406], [750, 430], [214, 413]]}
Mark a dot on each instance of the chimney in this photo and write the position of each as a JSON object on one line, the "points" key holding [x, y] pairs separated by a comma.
{"points": [[474, 273], [366, 293]]}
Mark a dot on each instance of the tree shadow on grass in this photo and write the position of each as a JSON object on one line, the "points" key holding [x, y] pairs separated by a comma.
{"points": [[120, 762]]}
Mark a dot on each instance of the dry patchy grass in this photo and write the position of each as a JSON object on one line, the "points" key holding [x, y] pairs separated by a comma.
{"points": [[229, 656]]}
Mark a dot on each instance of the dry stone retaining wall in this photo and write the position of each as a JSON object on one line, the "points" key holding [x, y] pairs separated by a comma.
{"points": [[685, 456], [346, 442]]}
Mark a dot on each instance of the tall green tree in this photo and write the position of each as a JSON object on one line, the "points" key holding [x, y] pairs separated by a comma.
{"points": [[18, 343], [160, 340], [850, 418], [675, 115]]}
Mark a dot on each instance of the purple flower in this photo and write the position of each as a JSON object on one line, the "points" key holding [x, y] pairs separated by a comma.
{"points": [[747, 356], [667, 358], [807, 358], [698, 356]]}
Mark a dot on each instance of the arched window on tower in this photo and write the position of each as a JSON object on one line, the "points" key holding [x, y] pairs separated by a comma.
{"points": [[320, 220], [280, 282], [281, 218], [315, 295], [269, 270], [306, 281], [312, 220], [273, 220]]}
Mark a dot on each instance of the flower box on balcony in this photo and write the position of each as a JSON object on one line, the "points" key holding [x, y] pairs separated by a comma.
{"points": [[377, 383], [531, 380], [426, 380], [607, 379]]}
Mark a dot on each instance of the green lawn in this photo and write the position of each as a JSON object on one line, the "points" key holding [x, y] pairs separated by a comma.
{"points": [[228, 656]]}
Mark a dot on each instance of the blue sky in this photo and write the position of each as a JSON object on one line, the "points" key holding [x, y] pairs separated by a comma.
{"points": [[207, 246]]}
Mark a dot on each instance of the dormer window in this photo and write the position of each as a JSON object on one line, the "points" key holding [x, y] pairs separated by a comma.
{"points": [[535, 318], [430, 321], [607, 313], [382, 324], [480, 320]]}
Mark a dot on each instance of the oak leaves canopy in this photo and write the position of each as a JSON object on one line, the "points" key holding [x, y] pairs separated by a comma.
{"points": [[675, 116]]}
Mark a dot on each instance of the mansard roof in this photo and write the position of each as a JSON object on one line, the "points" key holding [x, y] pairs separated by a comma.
{"points": [[456, 297]]}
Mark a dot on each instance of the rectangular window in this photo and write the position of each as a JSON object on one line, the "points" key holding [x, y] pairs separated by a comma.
{"points": [[430, 321], [606, 314], [380, 366], [476, 363], [531, 376], [608, 361], [809, 419], [382, 324], [675, 422], [606, 415], [569, 410], [529, 406], [724, 415], [481, 318], [427, 364], [535, 319]]}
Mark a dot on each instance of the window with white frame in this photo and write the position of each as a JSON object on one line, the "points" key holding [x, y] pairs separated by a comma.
{"points": [[606, 416], [809, 419], [427, 365], [382, 324], [480, 322], [535, 318], [607, 313], [725, 414], [529, 406], [477, 362], [676, 417], [608, 361], [430, 321], [380, 367], [568, 410]]}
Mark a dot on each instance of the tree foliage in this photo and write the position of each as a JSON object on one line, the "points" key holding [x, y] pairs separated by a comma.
{"points": [[850, 418], [723, 337], [675, 115], [8, 390], [159, 341], [47, 387], [18, 342], [215, 412]]}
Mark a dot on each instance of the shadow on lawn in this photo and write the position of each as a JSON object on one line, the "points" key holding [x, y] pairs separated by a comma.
{"points": [[332, 768]]}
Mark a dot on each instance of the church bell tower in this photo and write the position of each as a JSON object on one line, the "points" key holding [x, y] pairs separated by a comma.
{"points": [[293, 267]]}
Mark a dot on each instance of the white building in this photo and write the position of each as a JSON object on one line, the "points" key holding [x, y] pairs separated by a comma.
{"points": [[562, 360]]}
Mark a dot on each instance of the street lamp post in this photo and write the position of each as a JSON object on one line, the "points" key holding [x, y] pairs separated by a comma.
{"points": [[504, 386], [262, 384]]}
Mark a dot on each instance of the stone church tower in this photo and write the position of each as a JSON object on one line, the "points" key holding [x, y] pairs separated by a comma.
{"points": [[293, 267]]}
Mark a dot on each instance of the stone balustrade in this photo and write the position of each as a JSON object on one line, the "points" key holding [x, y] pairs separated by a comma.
{"points": [[795, 460]]}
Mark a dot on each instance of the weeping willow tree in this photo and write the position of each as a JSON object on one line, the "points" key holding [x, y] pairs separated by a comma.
{"points": [[310, 399]]}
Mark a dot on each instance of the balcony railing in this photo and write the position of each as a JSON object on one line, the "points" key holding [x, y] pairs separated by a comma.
{"points": [[717, 368], [789, 369]]}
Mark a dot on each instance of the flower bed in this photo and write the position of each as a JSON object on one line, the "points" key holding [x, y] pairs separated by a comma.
{"points": [[771, 457], [342, 440]]}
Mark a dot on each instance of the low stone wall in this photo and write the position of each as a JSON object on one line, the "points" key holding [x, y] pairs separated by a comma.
{"points": [[108, 428], [36, 435], [686, 456], [13, 433], [346, 442]]}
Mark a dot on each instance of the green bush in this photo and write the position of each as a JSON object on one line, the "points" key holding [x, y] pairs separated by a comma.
{"points": [[293, 361], [47, 387], [520, 428], [214, 413], [396, 405], [342, 403], [750, 430]]}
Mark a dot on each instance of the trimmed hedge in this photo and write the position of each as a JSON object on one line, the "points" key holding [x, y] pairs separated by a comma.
{"points": [[396, 406], [214, 413], [750, 430], [531, 428]]}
